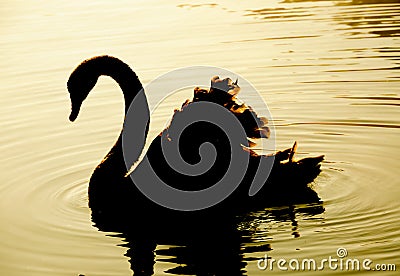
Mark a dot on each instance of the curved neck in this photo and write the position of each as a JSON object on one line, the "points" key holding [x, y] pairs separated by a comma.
{"points": [[84, 78], [121, 73]]}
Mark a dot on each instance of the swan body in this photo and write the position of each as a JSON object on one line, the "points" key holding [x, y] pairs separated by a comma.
{"points": [[111, 192]]}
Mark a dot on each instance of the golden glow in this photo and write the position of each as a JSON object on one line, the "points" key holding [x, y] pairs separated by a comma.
{"points": [[327, 69]]}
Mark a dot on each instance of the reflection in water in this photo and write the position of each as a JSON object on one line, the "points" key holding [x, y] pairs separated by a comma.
{"points": [[378, 20], [352, 2], [201, 243], [211, 5], [359, 2], [281, 14], [387, 100]]}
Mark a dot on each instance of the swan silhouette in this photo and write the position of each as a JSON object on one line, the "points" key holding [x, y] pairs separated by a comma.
{"points": [[112, 193]]}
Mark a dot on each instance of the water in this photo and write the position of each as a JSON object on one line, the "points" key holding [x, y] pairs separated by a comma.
{"points": [[327, 69]]}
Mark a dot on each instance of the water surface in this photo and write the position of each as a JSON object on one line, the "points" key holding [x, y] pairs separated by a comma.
{"points": [[329, 71]]}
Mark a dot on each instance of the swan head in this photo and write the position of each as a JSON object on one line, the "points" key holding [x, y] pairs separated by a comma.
{"points": [[80, 83]]}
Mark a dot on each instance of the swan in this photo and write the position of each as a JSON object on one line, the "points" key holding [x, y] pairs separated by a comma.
{"points": [[111, 192]]}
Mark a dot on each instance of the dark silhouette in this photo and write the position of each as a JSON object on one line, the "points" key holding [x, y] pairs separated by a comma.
{"points": [[204, 243], [118, 206]]}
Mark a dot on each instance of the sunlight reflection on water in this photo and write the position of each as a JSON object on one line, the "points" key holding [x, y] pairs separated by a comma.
{"points": [[327, 69]]}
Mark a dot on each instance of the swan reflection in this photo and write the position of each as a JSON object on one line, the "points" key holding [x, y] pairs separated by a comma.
{"points": [[205, 243]]}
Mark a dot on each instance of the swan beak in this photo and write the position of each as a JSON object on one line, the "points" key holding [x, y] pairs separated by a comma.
{"points": [[74, 112]]}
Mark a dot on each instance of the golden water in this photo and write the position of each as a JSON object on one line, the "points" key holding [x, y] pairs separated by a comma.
{"points": [[329, 71]]}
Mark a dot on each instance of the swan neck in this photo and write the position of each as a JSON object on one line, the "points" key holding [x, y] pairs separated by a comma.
{"points": [[132, 90], [123, 75]]}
